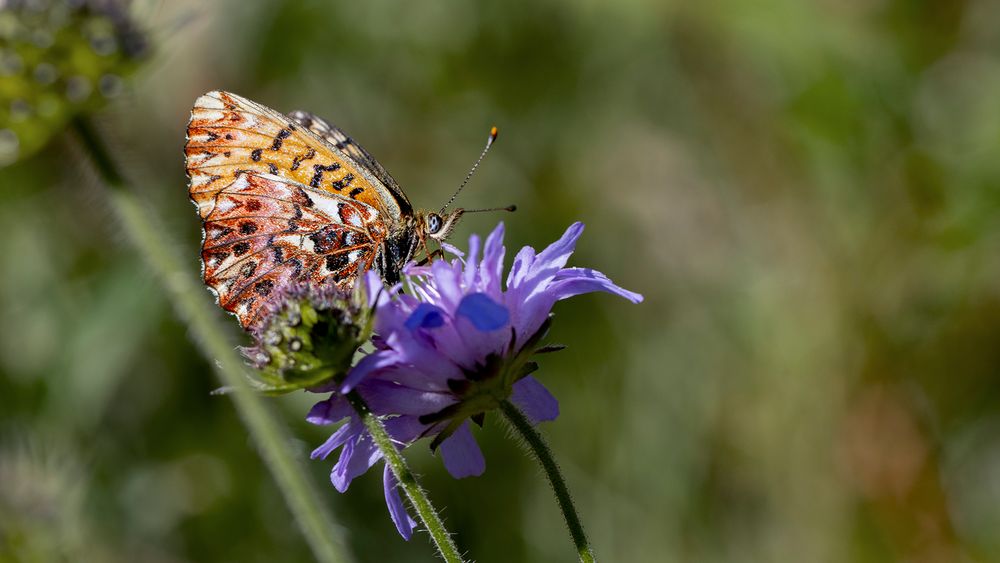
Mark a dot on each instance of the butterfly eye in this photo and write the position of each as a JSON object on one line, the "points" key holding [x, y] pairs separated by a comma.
{"points": [[433, 223]]}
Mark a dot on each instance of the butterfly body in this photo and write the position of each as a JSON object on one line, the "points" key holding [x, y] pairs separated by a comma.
{"points": [[286, 198]]}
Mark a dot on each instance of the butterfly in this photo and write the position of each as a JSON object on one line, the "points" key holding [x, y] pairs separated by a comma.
{"points": [[293, 198]]}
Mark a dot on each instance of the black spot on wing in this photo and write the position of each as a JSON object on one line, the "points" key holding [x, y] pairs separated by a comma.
{"points": [[343, 182], [297, 161], [280, 138], [335, 262], [319, 169], [264, 287]]}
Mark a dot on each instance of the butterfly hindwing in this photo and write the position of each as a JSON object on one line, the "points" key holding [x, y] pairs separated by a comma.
{"points": [[264, 230]]}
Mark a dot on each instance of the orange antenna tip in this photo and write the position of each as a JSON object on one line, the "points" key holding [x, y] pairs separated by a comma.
{"points": [[489, 143]]}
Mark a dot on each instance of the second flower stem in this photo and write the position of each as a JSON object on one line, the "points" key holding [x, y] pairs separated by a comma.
{"points": [[418, 498], [540, 451]]}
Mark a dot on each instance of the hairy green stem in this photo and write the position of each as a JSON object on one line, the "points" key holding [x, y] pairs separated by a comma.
{"points": [[540, 451], [192, 305], [418, 498]]}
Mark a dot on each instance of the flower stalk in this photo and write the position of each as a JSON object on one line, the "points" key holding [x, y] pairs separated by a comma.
{"points": [[539, 449], [418, 498], [318, 526]]}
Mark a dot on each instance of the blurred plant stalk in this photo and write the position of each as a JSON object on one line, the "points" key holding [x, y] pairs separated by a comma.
{"points": [[325, 537]]}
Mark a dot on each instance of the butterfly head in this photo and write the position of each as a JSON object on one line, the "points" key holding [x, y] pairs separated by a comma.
{"points": [[438, 226]]}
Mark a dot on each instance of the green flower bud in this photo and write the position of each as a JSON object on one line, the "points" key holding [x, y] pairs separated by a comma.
{"points": [[308, 337]]}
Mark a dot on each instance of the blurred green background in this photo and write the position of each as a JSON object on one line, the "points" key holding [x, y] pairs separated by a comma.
{"points": [[807, 193]]}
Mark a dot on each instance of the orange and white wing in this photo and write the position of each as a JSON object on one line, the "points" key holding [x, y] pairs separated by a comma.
{"points": [[263, 231], [229, 136], [342, 141]]}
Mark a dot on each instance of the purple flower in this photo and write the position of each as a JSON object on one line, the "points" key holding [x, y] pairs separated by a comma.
{"points": [[452, 348]]}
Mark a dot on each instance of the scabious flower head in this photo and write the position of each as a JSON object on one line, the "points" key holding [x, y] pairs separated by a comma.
{"points": [[450, 349], [308, 336]]}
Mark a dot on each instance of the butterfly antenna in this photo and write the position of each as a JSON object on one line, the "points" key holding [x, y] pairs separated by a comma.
{"points": [[508, 208], [489, 143]]}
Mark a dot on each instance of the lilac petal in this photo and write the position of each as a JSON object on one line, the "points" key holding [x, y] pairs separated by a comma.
{"points": [[557, 254], [471, 265], [404, 429], [329, 411], [484, 313], [346, 432], [570, 282], [534, 400], [388, 397], [451, 249], [400, 517], [374, 290], [446, 278], [523, 261], [461, 455], [491, 269], [425, 316], [421, 364], [357, 456], [548, 263], [390, 316], [369, 364]]}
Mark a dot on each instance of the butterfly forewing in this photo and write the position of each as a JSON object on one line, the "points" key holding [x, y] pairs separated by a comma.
{"points": [[229, 135], [264, 231], [341, 140]]}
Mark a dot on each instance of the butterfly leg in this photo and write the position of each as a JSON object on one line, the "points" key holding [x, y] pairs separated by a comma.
{"points": [[431, 256]]}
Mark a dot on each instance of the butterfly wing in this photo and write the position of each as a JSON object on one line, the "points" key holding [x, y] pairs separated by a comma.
{"points": [[341, 140], [264, 230], [228, 136]]}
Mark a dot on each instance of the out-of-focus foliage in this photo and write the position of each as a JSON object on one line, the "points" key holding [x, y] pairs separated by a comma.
{"points": [[57, 58], [805, 192]]}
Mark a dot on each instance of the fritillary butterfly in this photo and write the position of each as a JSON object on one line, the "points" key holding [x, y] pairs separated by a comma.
{"points": [[293, 198]]}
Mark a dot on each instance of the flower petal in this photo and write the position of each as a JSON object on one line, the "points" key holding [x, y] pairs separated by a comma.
{"points": [[469, 275], [329, 411], [484, 313], [400, 517], [373, 288], [389, 397], [534, 400], [420, 364], [491, 268], [369, 364], [557, 254], [425, 316], [357, 456], [451, 249], [522, 265], [446, 278], [404, 429], [461, 455], [346, 432], [548, 263], [570, 282]]}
